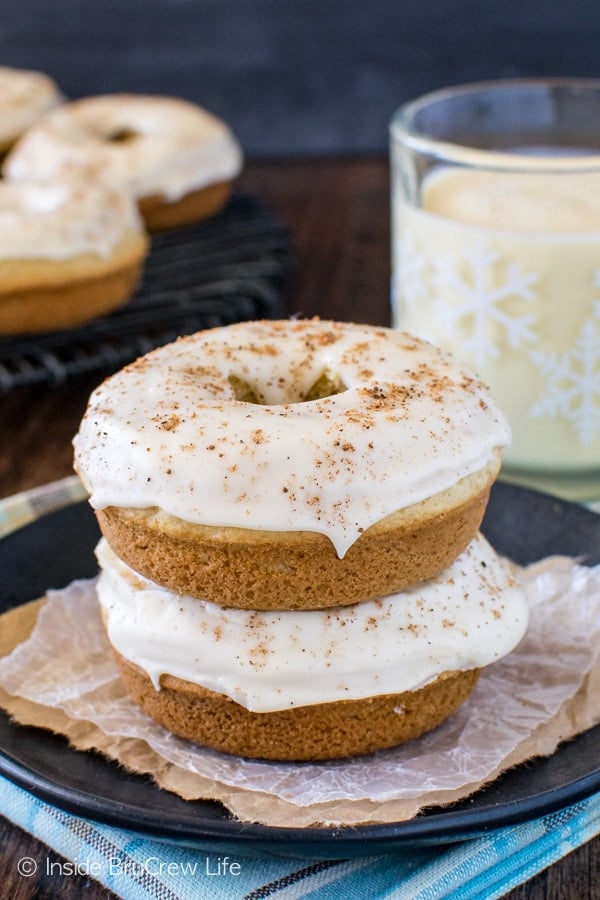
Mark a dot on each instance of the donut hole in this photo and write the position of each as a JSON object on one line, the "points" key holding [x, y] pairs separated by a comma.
{"points": [[243, 391], [122, 136], [326, 385]]}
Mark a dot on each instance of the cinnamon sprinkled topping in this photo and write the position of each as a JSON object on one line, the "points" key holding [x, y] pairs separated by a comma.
{"points": [[352, 422]]}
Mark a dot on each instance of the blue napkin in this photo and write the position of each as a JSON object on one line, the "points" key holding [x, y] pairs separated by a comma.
{"points": [[138, 868]]}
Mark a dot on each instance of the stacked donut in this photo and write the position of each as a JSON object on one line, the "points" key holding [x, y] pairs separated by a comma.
{"points": [[290, 565], [134, 164]]}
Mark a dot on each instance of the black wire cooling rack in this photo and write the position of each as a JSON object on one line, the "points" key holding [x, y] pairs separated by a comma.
{"points": [[230, 268]]}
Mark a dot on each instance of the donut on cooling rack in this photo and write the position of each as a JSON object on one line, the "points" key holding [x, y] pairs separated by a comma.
{"points": [[69, 251], [176, 159], [290, 464], [25, 96]]}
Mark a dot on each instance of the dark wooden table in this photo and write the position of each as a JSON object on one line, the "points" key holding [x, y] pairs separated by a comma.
{"points": [[338, 213]]}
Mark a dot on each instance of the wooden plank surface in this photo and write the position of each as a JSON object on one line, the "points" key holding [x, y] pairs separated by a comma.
{"points": [[338, 212]]}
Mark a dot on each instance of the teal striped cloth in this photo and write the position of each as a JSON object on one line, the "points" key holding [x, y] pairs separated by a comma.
{"points": [[139, 868], [135, 867], [23, 508]]}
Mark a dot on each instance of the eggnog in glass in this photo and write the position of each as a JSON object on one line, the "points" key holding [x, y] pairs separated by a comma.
{"points": [[496, 257]]}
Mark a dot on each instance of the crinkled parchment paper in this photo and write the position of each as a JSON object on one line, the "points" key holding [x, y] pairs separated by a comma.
{"points": [[60, 675]]}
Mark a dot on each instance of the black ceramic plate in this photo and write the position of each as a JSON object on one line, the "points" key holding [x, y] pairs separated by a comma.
{"points": [[56, 549]]}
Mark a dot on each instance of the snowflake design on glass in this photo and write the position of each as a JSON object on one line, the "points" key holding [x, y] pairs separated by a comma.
{"points": [[409, 280], [484, 300], [572, 388]]}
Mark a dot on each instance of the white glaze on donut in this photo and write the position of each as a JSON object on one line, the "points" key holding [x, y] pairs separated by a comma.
{"points": [[25, 96], [468, 617], [63, 219], [167, 431], [152, 146]]}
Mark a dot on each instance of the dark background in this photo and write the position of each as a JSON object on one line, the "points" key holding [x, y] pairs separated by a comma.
{"points": [[298, 76]]}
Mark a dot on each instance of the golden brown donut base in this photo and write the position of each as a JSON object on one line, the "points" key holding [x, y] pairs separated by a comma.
{"points": [[325, 731], [160, 214], [251, 569], [49, 295]]}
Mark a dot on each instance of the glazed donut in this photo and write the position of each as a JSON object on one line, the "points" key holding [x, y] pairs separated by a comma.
{"points": [[318, 684], [290, 464], [69, 252], [176, 159], [25, 97]]}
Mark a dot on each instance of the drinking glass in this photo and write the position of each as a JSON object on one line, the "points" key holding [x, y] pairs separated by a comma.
{"points": [[496, 257]]}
